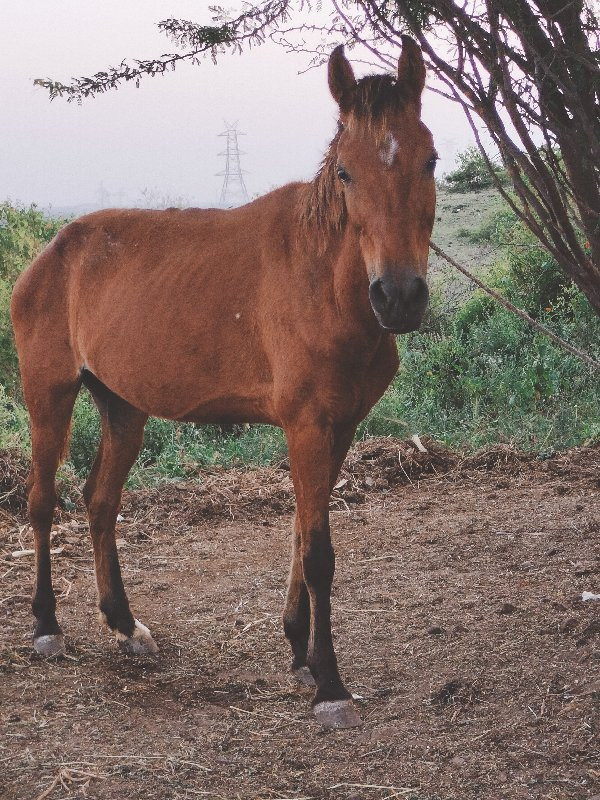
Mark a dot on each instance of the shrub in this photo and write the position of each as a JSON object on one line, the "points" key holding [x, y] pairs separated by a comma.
{"points": [[23, 234], [14, 429], [472, 173], [493, 377]]}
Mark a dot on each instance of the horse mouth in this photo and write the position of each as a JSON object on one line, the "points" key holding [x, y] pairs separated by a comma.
{"points": [[403, 326]]}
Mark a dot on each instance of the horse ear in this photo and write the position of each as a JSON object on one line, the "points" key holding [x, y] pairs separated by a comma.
{"points": [[341, 78], [411, 71]]}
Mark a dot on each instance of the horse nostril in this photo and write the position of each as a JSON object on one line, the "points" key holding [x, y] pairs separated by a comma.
{"points": [[377, 295], [415, 291]]}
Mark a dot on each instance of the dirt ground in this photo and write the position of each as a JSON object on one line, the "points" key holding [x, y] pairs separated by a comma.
{"points": [[458, 618]]}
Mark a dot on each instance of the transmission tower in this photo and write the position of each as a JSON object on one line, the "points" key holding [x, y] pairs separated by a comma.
{"points": [[234, 190]]}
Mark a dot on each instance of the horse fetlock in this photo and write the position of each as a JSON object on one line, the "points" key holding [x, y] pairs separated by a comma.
{"points": [[116, 615], [296, 629], [44, 608], [139, 643]]}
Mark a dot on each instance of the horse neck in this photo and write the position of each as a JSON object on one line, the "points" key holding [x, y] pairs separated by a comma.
{"points": [[333, 256]]}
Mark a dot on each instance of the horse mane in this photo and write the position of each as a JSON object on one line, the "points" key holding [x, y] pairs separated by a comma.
{"points": [[322, 206]]}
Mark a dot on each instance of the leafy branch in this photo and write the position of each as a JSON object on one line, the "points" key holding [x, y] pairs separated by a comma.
{"points": [[251, 27]]}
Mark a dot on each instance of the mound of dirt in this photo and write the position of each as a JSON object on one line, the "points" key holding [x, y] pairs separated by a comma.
{"points": [[14, 468], [375, 465], [221, 493]]}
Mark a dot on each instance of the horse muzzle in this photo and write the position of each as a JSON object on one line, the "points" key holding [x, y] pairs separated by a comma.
{"points": [[399, 303]]}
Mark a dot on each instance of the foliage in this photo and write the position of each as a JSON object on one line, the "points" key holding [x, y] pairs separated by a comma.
{"points": [[489, 376], [472, 173], [174, 450], [24, 231], [13, 423], [534, 63], [471, 376]]}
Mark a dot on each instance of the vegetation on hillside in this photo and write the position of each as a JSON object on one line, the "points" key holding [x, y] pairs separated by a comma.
{"points": [[472, 173], [472, 376]]}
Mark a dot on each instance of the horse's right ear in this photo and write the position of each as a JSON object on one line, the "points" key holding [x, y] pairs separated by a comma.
{"points": [[341, 79]]}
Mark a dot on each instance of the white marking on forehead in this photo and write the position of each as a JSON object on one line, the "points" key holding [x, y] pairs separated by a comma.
{"points": [[389, 149]]}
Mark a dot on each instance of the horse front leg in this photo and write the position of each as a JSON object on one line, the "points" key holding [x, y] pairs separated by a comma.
{"points": [[296, 615], [314, 457]]}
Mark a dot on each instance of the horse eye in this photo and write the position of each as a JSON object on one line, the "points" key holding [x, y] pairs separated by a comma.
{"points": [[431, 162], [343, 175]]}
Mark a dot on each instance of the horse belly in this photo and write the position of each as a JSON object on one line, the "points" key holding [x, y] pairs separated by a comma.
{"points": [[203, 381], [178, 359]]}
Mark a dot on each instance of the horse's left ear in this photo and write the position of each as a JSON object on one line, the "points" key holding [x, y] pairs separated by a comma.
{"points": [[411, 71]]}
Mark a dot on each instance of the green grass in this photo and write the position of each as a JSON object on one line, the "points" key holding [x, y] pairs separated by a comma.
{"points": [[473, 375]]}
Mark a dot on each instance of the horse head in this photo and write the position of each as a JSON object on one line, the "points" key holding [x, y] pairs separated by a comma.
{"points": [[385, 164]]}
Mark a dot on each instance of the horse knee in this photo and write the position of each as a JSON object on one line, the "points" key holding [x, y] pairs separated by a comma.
{"points": [[42, 500], [102, 512], [88, 490]]}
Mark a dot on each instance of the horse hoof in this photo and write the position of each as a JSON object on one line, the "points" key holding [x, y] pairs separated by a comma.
{"points": [[50, 645], [304, 676], [337, 714], [140, 643]]}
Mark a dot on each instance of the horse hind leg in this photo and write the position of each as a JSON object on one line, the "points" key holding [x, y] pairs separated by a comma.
{"points": [[50, 414], [296, 615], [122, 436]]}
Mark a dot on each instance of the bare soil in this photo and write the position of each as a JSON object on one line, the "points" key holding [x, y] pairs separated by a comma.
{"points": [[457, 614]]}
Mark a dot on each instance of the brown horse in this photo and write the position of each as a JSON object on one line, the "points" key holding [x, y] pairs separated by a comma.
{"points": [[281, 312]]}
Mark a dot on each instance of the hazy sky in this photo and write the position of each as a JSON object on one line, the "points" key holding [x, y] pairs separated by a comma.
{"points": [[163, 136]]}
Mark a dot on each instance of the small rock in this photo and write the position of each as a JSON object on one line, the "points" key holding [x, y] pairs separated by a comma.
{"points": [[568, 625], [582, 569], [507, 608], [457, 761], [436, 631]]}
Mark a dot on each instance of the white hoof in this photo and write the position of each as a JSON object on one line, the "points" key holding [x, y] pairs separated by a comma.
{"points": [[139, 643], [338, 714], [50, 645]]}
